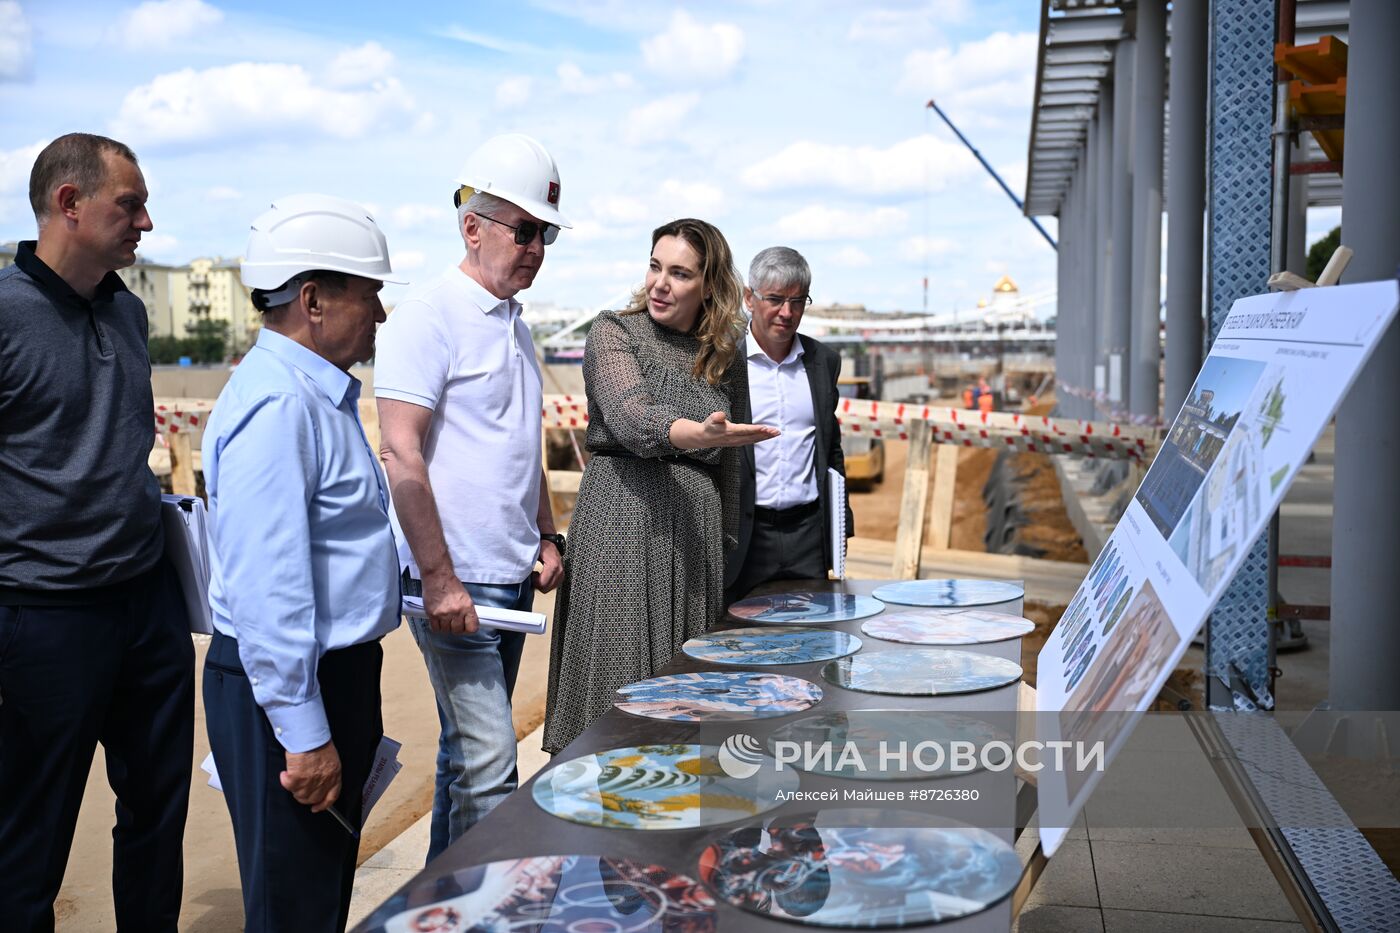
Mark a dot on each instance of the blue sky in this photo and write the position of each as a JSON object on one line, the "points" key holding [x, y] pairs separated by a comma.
{"points": [[781, 122]]}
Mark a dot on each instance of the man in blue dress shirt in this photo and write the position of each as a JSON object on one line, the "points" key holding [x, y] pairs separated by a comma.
{"points": [[304, 572]]}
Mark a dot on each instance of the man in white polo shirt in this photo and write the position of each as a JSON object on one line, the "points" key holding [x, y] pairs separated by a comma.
{"points": [[459, 399], [783, 492]]}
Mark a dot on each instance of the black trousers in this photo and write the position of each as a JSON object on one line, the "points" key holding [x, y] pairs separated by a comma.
{"points": [[297, 867], [119, 672], [781, 550]]}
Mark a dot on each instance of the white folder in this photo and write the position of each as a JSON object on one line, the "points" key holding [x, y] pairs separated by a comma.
{"points": [[187, 546]]}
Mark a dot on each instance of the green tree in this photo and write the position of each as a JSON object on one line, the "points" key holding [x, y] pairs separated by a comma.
{"points": [[1321, 252], [165, 350], [207, 341]]}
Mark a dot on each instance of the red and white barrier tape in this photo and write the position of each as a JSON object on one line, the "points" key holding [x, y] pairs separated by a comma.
{"points": [[1029, 433], [176, 416]]}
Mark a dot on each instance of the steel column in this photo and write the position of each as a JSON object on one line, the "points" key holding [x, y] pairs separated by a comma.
{"points": [[1365, 585], [1186, 199], [1145, 347], [1121, 290]]}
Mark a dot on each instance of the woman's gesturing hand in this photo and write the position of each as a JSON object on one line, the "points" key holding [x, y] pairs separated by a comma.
{"points": [[717, 431]]}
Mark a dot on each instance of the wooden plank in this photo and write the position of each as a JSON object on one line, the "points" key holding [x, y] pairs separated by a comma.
{"points": [[909, 539], [945, 478], [181, 465]]}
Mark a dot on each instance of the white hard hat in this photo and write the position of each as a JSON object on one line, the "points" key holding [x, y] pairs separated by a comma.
{"points": [[515, 168], [309, 232]]}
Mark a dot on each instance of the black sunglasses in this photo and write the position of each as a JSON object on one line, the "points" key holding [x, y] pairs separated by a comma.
{"points": [[527, 230]]}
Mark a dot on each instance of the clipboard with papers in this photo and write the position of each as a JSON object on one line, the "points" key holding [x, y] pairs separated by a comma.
{"points": [[186, 525]]}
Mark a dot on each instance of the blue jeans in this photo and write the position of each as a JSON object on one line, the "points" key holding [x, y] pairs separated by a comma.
{"points": [[472, 677]]}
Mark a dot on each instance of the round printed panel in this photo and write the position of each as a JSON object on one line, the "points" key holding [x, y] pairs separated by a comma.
{"points": [[805, 869], [717, 696], [662, 787], [876, 744], [949, 593], [770, 646], [947, 626], [805, 608], [922, 672], [561, 892]]}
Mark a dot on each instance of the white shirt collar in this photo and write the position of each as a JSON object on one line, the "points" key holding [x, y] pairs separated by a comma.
{"points": [[753, 350], [483, 299]]}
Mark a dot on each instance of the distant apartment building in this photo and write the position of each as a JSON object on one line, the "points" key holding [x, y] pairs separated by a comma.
{"points": [[211, 289], [176, 296]]}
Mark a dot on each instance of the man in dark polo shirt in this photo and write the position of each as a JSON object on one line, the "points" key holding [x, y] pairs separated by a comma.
{"points": [[94, 639]]}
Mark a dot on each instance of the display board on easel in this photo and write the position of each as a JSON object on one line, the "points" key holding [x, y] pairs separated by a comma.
{"points": [[1274, 378]]}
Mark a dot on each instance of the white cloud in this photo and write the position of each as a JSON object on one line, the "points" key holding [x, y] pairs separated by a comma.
{"points": [[851, 257], [617, 209], [572, 80], [422, 217], [360, 67], [16, 44], [883, 25], [513, 92], [655, 121], [991, 74], [921, 247], [236, 102], [162, 22], [689, 199], [819, 222], [909, 167], [158, 245], [486, 41], [223, 193], [15, 166], [693, 51], [408, 259]]}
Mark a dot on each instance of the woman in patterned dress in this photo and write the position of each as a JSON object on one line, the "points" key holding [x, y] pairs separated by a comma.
{"points": [[658, 502]]}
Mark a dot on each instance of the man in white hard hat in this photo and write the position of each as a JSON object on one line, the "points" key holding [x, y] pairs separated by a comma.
{"points": [[304, 572], [459, 398]]}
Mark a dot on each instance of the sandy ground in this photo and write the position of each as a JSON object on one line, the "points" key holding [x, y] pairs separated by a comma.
{"points": [[212, 900]]}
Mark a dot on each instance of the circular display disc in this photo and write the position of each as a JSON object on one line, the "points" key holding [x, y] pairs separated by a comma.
{"points": [[662, 787], [922, 672], [805, 608], [718, 696], [559, 892], [947, 626], [805, 869], [949, 593], [770, 646], [875, 744]]}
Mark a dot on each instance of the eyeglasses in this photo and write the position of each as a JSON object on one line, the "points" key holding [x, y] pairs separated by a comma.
{"points": [[527, 230], [797, 303]]}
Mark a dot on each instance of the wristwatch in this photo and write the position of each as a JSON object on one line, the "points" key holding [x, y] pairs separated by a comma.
{"points": [[557, 540]]}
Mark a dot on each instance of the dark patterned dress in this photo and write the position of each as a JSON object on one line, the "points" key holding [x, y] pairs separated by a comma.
{"points": [[644, 569]]}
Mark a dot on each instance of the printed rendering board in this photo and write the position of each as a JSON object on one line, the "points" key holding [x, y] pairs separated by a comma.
{"points": [[1279, 369]]}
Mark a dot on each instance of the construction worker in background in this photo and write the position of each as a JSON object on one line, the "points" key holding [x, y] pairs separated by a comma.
{"points": [[94, 636], [985, 400], [304, 572], [459, 397], [967, 398]]}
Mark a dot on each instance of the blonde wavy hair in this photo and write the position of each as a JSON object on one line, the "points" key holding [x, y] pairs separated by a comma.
{"points": [[719, 326]]}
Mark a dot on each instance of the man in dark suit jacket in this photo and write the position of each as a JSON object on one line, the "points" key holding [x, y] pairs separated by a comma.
{"points": [[785, 503]]}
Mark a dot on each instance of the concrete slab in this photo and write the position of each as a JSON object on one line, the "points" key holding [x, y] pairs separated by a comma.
{"points": [[1051, 918], [1179, 880], [1140, 921], [1068, 880]]}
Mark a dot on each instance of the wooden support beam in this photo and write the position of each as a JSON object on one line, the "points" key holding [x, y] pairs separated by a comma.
{"points": [[945, 479], [181, 465], [909, 538]]}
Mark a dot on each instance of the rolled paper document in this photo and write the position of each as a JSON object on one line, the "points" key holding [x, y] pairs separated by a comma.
{"points": [[509, 620]]}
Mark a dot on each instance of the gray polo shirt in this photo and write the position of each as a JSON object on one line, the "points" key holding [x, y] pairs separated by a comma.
{"points": [[79, 506]]}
